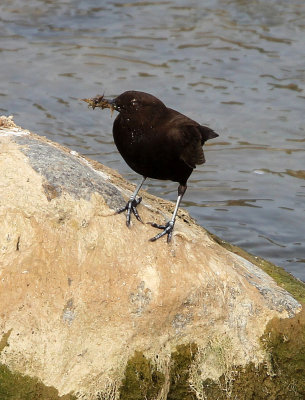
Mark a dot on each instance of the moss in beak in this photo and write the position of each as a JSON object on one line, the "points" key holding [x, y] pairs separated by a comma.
{"points": [[101, 102]]}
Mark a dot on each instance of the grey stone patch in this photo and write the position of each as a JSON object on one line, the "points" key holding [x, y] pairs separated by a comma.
{"points": [[282, 301], [277, 298], [140, 299], [180, 321], [69, 313], [66, 173]]}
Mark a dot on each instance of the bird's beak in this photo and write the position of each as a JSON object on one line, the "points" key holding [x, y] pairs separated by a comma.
{"points": [[101, 102], [110, 104]]}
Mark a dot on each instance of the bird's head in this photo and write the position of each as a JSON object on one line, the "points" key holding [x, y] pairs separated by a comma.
{"points": [[132, 102], [129, 103]]}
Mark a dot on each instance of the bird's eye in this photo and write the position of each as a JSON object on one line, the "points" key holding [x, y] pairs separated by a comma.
{"points": [[134, 102]]}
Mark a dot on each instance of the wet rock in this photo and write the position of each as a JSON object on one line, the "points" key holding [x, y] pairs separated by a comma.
{"points": [[89, 302]]}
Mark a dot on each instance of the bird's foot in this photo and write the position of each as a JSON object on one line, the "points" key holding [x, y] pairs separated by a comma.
{"points": [[167, 230], [131, 207]]}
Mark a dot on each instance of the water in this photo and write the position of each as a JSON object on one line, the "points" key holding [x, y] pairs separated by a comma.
{"points": [[234, 65]]}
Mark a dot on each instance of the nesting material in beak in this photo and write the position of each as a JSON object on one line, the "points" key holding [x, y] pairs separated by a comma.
{"points": [[101, 102]]}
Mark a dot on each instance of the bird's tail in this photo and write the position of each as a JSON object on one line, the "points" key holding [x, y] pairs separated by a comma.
{"points": [[207, 133]]}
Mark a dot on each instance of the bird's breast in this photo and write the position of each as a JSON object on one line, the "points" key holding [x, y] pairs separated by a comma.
{"points": [[129, 134]]}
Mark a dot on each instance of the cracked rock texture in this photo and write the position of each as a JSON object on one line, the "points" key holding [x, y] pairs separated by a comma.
{"points": [[80, 292]]}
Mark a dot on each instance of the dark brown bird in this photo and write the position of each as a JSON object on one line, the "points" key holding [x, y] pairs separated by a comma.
{"points": [[156, 142]]}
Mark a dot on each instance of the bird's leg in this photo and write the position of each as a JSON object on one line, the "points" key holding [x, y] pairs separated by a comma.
{"points": [[169, 226], [132, 204]]}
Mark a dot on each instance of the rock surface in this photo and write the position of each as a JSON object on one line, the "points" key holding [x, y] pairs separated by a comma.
{"points": [[80, 292]]}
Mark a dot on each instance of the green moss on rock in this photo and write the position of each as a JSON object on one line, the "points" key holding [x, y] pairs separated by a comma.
{"points": [[285, 340], [181, 361], [141, 380], [284, 376], [281, 377], [4, 340], [15, 386]]}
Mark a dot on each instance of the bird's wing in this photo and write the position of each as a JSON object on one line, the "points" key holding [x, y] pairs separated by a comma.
{"points": [[195, 136], [191, 152], [188, 137], [186, 142]]}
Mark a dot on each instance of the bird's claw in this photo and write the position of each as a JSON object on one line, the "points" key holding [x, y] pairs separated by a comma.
{"points": [[167, 230], [131, 207]]}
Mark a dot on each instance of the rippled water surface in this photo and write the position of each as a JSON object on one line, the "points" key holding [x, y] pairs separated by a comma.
{"points": [[235, 65]]}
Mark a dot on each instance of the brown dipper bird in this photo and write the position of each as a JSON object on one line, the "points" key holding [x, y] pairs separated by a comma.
{"points": [[156, 142]]}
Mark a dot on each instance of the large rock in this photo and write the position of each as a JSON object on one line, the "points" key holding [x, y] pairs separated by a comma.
{"points": [[88, 305]]}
